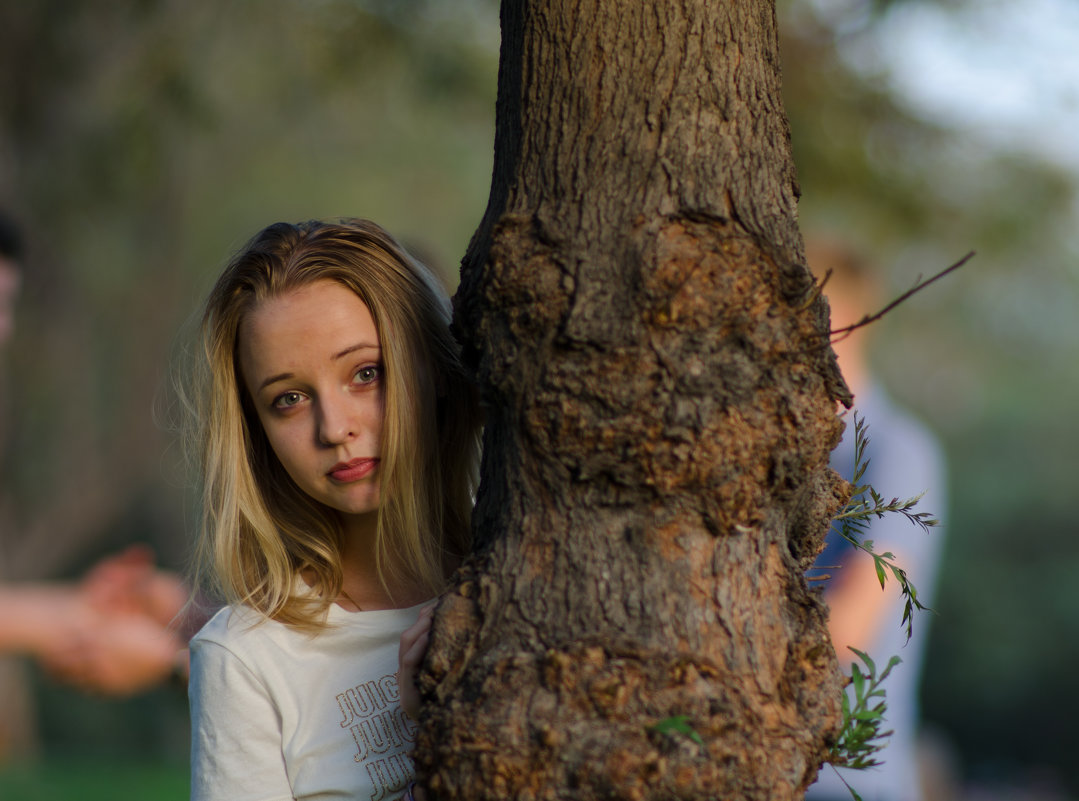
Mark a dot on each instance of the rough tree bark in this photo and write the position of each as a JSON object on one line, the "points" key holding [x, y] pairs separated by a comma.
{"points": [[661, 407]]}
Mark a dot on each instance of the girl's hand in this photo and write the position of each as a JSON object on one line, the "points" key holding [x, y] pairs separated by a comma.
{"points": [[410, 655]]}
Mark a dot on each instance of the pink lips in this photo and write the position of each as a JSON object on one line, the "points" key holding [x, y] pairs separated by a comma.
{"points": [[352, 470]]}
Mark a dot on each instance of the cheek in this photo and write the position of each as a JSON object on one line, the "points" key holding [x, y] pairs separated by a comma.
{"points": [[285, 449], [285, 446]]}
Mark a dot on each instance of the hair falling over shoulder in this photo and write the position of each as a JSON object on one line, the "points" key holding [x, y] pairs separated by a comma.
{"points": [[258, 528]]}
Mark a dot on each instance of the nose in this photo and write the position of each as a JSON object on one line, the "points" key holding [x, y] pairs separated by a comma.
{"points": [[336, 423]]}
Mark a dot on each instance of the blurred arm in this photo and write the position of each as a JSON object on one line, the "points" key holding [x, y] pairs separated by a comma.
{"points": [[37, 619]]}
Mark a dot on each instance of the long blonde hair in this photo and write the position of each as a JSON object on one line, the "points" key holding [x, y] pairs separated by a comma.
{"points": [[258, 528]]}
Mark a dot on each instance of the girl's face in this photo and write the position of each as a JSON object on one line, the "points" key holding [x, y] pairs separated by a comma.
{"points": [[312, 363]]}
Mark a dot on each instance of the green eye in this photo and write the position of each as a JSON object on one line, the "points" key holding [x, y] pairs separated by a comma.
{"points": [[367, 375], [287, 400]]}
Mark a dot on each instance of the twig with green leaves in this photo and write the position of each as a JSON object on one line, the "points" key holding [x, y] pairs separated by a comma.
{"points": [[863, 717], [864, 505]]}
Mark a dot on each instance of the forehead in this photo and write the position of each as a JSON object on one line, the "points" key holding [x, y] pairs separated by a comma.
{"points": [[303, 325]]}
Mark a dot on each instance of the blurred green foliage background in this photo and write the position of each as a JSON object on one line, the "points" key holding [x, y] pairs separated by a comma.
{"points": [[143, 141]]}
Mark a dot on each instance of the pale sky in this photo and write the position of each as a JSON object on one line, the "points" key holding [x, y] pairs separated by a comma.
{"points": [[1005, 70]]}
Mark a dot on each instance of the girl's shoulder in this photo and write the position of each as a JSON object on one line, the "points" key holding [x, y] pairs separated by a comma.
{"points": [[238, 623], [237, 627], [246, 631]]}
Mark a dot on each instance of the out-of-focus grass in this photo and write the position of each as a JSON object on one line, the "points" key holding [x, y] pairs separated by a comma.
{"points": [[56, 779]]}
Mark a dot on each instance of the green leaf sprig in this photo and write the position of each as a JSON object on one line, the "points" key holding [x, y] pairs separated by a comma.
{"points": [[863, 718], [865, 505]]}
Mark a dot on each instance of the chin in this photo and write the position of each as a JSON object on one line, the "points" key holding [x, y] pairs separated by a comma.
{"points": [[358, 508]]}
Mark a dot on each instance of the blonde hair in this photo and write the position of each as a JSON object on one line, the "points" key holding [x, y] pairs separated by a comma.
{"points": [[258, 527]]}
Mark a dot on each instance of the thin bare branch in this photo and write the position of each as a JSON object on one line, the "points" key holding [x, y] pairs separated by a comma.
{"points": [[840, 334], [817, 290]]}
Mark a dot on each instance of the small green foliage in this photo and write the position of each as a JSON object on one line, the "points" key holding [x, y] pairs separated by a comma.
{"points": [[864, 505], [861, 736], [863, 717], [678, 724]]}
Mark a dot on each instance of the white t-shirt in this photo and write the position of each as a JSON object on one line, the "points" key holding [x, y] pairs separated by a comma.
{"points": [[278, 714]]}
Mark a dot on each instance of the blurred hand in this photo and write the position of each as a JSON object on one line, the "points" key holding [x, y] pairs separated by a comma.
{"points": [[410, 655], [118, 653], [129, 582]]}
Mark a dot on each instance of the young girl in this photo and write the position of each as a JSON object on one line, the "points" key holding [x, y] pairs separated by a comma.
{"points": [[339, 442]]}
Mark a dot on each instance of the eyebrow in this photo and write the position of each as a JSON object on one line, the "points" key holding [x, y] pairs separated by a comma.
{"points": [[339, 355], [354, 348]]}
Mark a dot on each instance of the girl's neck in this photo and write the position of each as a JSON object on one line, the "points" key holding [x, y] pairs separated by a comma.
{"points": [[362, 589], [367, 593]]}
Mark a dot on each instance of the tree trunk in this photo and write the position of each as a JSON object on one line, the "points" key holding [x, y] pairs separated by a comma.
{"points": [[661, 408]]}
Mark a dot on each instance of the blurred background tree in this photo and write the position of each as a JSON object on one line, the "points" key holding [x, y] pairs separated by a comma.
{"points": [[142, 141]]}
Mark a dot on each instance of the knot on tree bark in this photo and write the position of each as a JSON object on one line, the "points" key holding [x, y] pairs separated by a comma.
{"points": [[595, 719]]}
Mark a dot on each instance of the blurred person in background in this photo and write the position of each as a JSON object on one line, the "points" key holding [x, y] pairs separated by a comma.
{"points": [[115, 631], [905, 460]]}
